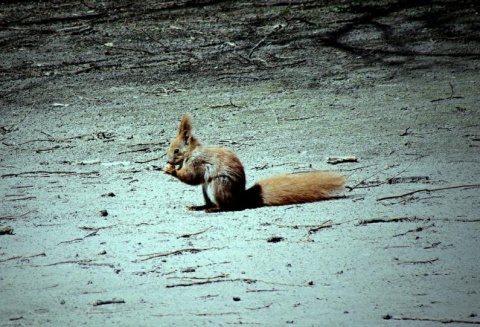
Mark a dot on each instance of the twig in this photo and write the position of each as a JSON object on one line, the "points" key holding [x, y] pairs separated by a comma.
{"points": [[231, 104], [56, 147], [43, 172], [443, 321], [146, 144], [243, 280], [385, 220], [260, 291], [429, 190], [112, 301], [415, 230], [123, 48], [262, 307], [89, 228], [16, 217], [137, 150], [418, 262], [301, 118], [176, 252], [19, 257], [193, 234], [325, 224], [68, 262], [21, 199], [337, 160], [315, 229]]}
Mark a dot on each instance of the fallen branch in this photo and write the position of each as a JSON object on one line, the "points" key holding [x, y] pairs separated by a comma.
{"points": [[112, 301], [21, 199], [89, 228], [20, 257], [193, 234], [176, 252], [137, 150], [415, 230], [301, 118], [443, 321], [68, 262], [385, 220], [231, 104], [418, 262], [337, 160], [78, 239], [328, 222], [44, 173], [429, 190], [16, 217], [243, 280]]}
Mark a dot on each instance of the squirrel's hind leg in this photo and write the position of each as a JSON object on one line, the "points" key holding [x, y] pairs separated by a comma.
{"points": [[208, 203]]}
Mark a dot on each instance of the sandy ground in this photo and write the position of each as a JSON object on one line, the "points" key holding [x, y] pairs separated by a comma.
{"points": [[92, 93]]}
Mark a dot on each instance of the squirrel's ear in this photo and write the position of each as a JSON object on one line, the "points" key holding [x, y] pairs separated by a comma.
{"points": [[185, 127]]}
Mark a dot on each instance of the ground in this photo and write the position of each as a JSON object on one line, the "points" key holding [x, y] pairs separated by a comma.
{"points": [[93, 233]]}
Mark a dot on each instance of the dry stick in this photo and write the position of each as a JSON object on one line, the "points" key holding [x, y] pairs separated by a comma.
{"points": [[260, 291], [26, 198], [244, 280], [63, 139], [231, 104], [443, 321], [316, 227], [202, 278], [95, 231], [146, 144], [19, 257], [18, 217], [71, 29], [362, 181], [176, 252], [415, 230], [193, 234], [112, 301], [385, 220], [429, 190], [124, 48], [38, 172], [137, 150], [301, 118], [67, 262], [56, 147], [262, 307], [418, 262]]}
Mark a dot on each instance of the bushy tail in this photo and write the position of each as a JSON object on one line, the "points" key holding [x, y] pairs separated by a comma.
{"points": [[295, 188]]}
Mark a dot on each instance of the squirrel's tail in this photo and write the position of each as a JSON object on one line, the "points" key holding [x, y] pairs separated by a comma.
{"points": [[294, 188]]}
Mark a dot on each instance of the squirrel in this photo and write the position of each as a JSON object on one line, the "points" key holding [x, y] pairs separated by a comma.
{"points": [[223, 181]]}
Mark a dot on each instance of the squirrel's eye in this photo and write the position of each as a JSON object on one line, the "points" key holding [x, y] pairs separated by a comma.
{"points": [[176, 151]]}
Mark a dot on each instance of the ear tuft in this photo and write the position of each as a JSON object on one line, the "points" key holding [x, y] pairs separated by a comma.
{"points": [[185, 130]]}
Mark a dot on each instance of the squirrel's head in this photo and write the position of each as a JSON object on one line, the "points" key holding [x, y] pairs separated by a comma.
{"points": [[183, 144]]}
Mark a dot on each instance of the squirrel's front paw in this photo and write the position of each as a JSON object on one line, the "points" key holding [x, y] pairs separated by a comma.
{"points": [[169, 169]]}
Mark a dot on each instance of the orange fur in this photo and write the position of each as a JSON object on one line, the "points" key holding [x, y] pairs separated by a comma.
{"points": [[222, 177]]}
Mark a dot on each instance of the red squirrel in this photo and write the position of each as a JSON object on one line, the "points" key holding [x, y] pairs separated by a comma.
{"points": [[222, 177]]}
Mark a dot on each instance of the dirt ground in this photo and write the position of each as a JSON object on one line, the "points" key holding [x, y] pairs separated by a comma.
{"points": [[93, 233]]}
